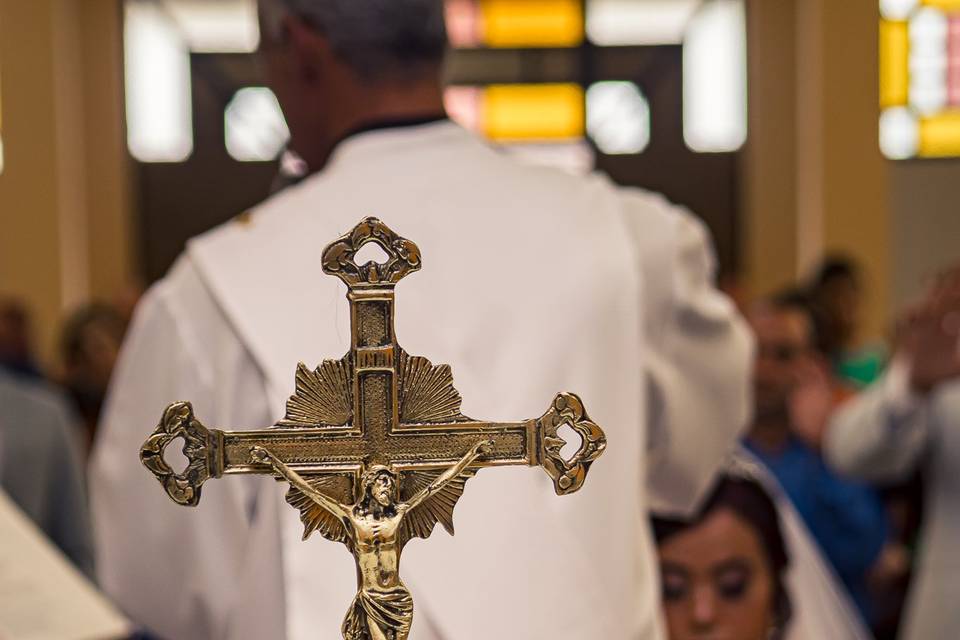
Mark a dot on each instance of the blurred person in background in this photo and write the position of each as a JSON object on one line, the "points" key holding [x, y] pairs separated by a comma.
{"points": [[909, 420], [836, 294], [40, 465], [16, 341], [794, 396], [89, 344], [744, 568]]}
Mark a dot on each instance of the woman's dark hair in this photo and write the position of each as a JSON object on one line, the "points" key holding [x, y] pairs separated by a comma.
{"points": [[751, 503]]}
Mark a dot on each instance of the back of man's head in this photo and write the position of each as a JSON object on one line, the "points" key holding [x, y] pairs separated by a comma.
{"points": [[378, 39]]}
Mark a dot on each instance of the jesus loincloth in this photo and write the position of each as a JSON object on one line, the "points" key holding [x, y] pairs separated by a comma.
{"points": [[391, 611]]}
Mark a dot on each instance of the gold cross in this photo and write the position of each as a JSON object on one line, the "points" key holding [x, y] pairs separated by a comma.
{"points": [[376, 410], [375, 405]]}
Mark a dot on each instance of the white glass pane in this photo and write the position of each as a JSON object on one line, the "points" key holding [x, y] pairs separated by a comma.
{"points": [[638, 22], [897, 9], [254, 127], [157, 73], [216, 26], [618, 117], [715, 78], [928, 30], [899, 133]]}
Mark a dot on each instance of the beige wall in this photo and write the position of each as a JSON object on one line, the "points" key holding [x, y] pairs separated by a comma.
{"points": [[925, 208], [769, 216], [64, 213], [815, 180]]}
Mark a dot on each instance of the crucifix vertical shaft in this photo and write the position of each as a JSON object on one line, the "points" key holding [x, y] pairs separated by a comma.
{"points": [[375, 354]]}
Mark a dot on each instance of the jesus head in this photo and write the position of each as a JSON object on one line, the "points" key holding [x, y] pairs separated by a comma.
{"points": [[380, 485]]}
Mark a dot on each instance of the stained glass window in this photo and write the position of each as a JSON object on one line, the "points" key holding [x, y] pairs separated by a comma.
{"points": [[920, 78]]}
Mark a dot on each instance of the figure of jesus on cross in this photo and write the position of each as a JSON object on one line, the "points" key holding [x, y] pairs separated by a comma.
{"points": [[373, 445], [373, 527]]}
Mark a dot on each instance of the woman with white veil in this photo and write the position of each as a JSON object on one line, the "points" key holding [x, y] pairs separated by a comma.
{"points": [[747, 568]]}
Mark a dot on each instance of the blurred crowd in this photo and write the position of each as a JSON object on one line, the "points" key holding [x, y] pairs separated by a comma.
{"points": [[811, 360], [48, 416], [812, 417]]}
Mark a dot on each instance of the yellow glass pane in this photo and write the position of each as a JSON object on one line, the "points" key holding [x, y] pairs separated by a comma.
{"points": [[533, 112], [940, 135], [894, 56], [532, 23], [946, 5]]}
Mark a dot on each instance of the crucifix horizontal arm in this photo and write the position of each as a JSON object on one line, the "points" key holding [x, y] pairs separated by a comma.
{"points": [[213, 453]]}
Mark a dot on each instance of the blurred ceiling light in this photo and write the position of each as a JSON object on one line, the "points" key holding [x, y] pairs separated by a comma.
{"points": [[899, 133], [254, 127], [897, 9], [715, 78], [531, 23], [157, 78], [217, 26], [618, 117], [638, 22]]}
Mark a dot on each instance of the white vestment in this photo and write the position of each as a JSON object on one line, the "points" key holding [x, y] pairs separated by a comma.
{"points": [[533, 282], [883, 435]]}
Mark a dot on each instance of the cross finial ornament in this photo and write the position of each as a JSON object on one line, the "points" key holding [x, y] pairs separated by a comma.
{"points": [[374, 445]]}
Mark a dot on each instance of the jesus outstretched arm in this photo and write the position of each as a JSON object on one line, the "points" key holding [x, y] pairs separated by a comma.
{"points": [[447, 476], [296, 480]]}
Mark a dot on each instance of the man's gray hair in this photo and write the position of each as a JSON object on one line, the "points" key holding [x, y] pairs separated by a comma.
{"points": [[376, 38]]}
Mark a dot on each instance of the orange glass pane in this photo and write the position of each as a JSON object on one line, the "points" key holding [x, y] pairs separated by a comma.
{"points": [[533, 112], [531, 23], [894, 70], [940, 135], [946, 5]]}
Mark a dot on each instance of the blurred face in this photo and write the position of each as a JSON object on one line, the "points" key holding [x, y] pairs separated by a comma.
{"points": [[783, 345], [382, 489], [717, 582]]}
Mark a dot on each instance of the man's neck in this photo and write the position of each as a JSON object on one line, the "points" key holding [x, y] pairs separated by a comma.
{"points": [[371, 107]]}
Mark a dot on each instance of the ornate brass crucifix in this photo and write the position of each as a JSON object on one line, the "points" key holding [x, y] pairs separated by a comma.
{"points": [[374, 445]]}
